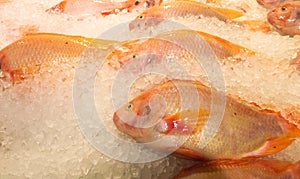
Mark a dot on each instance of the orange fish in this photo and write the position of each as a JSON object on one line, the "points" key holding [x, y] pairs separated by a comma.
{"points": [[286, 18], [24, 57], [272, 3], [92, 7], [138, 50], [181, 109], [242, 169], [181, 8]]}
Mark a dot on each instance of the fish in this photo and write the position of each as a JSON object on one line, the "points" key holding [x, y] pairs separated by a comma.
{"points": [[286, 18], [24, 57], [270, 4], [104, 8], [242, 169], [153, 16], [138, 49], [180, 109]]}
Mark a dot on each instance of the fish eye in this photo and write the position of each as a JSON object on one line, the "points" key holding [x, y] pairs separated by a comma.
{"points": [[141, 17], [283, 9], [129, 106], [134, 56], [137, 3]]}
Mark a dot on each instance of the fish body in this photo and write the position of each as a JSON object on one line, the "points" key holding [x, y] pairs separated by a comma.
{"points": [[268, 169], [137, 49], [245, 131], [25, 56], [272, 3], [286, 18], [181, 8], [91, 7]]}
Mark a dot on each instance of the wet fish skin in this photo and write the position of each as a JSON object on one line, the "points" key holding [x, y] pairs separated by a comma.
{"points": [[24, 57], [104, 8], [246, 131], [182, 8], [242, 169], [139, 48], [286, 18]]}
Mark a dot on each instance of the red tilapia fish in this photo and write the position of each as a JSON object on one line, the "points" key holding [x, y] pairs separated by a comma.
{"points": [[245, 131], [286, 18], [92, 7], [272, 3], [24, 57], [181, 8], [139, 50], [242, 169]]}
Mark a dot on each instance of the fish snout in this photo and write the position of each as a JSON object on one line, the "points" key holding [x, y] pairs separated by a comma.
{"points": [[124, 127], [130, 130], [271, 17]]}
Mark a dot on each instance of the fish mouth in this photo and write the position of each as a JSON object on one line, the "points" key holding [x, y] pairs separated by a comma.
{"points": [[271, 17], [129, 129]]}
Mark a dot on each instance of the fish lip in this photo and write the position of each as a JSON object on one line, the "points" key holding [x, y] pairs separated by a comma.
{"points": [[126, 128], [270, 17]]}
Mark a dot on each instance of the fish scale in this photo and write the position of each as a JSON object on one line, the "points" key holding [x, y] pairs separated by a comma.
{"points": [[26, 55], [182, 8], [245, 130]]}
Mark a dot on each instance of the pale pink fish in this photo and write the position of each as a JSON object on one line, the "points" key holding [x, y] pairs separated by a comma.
{"points": [[286, 18], [181, 8], [92, 7], [245, 130]]}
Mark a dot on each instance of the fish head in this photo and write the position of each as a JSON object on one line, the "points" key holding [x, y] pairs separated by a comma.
{"points": [[136, 56], [285, 16], [123, 54], [141, 117], [146, 20], [144, 4], [269, 3]]}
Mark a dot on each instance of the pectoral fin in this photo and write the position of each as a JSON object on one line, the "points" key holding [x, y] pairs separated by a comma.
{"points": [[272, 146], [186, 122]]}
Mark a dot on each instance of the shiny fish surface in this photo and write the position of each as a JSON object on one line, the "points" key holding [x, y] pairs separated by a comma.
{"points": [[286, 18], [91, 7], [153, 50], [26, 55], [174, 109], [182, 8]]}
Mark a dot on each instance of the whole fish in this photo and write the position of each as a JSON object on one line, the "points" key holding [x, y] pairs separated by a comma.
{"points": [[169, 110], [24, 57], [181, 8], [242, 169], [286, 18], [272, 3], [139, 49], [91, 7]]}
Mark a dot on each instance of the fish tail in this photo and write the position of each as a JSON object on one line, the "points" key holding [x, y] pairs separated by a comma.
{"points": [[230, 13]]}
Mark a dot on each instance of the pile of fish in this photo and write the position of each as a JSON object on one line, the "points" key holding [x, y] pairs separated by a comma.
{"points": [[245, 131]]}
